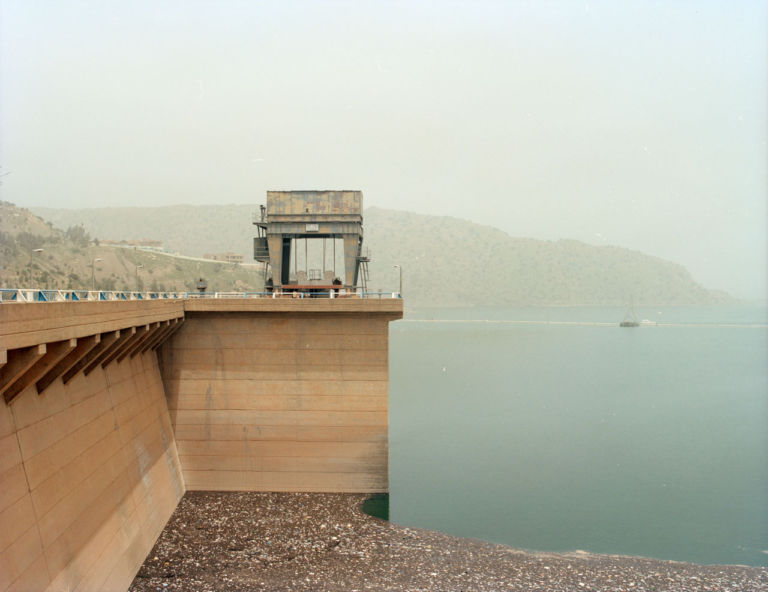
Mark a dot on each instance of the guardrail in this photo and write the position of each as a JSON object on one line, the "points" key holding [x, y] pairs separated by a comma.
{"points": [[37, 295]]}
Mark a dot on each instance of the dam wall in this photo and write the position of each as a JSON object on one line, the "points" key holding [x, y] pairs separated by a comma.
{"points": [[281, 395], [89, 473], [111, 410]]}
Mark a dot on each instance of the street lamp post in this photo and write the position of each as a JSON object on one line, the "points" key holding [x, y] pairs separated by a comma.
{"points": [[138, 267], [37, 252], [93, 273], [400, 269]]}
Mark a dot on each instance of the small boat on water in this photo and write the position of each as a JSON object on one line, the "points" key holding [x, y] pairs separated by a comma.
{"points": [[630, 318]]}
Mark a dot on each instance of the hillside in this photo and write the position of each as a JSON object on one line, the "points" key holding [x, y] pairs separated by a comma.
{"points": [[457, 262], [190, 230], [34, 254], [446, 261]]}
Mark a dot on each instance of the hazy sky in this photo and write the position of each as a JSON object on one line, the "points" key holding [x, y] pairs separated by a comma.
{"points": [[640, 124]]}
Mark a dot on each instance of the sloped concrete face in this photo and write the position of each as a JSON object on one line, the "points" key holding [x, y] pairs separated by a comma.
{"points": [[281, 400], [89, 475]]}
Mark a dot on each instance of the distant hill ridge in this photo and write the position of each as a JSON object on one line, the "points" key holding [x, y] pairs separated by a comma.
{"points": [[446, 261]]}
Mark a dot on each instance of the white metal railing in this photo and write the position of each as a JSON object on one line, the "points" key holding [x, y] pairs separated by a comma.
{"points": [[44, 295]]}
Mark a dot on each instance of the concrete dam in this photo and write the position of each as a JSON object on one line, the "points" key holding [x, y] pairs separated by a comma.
{"points": [[112, 410]]}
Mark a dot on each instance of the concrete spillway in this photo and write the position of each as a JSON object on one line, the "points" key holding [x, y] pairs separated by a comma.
{"points": [[112, 410]]}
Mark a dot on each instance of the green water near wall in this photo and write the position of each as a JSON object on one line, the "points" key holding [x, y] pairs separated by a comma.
{"points": [[377, 505], [650, 441]]}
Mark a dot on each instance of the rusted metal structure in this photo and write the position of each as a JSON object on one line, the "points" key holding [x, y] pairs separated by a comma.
{"points": [[294, 216]]}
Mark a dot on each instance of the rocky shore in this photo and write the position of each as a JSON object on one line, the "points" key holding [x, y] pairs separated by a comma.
{"points": [[296, 541]]}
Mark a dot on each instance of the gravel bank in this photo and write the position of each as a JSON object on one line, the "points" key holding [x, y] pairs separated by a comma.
{"points": [[293, 541]]}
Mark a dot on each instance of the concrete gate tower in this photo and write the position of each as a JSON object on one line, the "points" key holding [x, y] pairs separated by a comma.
{"points": [[290, 216]]}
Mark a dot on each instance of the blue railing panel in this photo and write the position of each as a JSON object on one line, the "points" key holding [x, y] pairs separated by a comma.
{"points": [[46, 295]]}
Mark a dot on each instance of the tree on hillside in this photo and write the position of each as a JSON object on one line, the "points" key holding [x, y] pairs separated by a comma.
{"points": [[78, 235]]}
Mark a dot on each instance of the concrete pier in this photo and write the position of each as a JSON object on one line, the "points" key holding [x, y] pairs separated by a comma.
{"points": [[112, 410]]}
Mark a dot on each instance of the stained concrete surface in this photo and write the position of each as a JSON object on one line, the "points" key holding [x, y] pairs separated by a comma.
{"points": [[298, 541]]}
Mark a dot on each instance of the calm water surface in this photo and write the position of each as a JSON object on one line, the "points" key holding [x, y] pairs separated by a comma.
{"points": [[650, 441]]}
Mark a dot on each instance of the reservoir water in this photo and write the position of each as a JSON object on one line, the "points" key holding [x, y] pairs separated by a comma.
{"points": [[555, 430]]}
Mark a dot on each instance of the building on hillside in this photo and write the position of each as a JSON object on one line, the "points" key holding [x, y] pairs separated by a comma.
{"points": [[144, 244], [227, 257]]}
